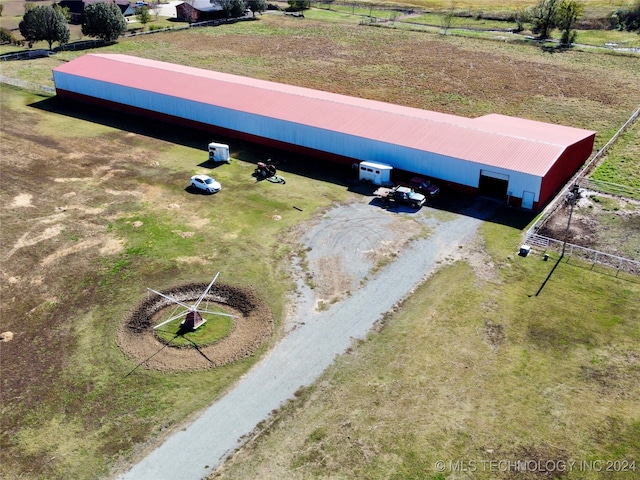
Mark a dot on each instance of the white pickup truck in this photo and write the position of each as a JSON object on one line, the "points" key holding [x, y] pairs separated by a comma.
{"points": [[400, 194]]}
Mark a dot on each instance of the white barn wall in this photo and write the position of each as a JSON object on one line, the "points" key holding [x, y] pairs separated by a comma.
{"points": [[445, 168], [522, 182], [454, 170], [288, 132]]}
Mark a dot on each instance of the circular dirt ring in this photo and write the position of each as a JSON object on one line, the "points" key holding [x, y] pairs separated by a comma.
{"points": [[252, 327]]}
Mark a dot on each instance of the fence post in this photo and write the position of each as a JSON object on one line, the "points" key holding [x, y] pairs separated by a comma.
{"points": [[575, 190]]}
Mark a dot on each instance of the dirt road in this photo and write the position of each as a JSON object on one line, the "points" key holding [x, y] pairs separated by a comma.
{"points": [[351, 292]]}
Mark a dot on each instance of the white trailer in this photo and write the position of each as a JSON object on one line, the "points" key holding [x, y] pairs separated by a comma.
{"points": [[218, 152], [376, 173]]}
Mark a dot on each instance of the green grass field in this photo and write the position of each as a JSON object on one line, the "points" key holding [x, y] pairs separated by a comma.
{"points": [[471, 19], [173, 333], [621, 163], [476, 368]]}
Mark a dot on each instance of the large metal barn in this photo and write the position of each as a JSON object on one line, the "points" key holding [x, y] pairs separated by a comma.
{"points": [[522, 162]]}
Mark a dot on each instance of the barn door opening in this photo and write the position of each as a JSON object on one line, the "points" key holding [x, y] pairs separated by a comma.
{"points": [[493, 184]]}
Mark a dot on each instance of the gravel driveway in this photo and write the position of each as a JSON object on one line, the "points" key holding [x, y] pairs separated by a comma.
{"points": [[355, 238]]}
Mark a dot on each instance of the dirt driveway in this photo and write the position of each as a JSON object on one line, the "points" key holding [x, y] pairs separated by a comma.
{"points": [[359, 262]]}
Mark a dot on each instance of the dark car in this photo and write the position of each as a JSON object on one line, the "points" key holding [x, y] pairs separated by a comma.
{"points": [[425, 187]]}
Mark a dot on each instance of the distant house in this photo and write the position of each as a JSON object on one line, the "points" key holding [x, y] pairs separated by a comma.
{"points": [[76, 8], [199, 11], [131, 9]]}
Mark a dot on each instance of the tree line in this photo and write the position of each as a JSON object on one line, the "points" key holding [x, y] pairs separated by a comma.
{"points": [[50, 23], [105, 21]]}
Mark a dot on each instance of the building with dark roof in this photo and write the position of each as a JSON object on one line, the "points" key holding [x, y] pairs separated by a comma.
{"points": [[199, 11]]}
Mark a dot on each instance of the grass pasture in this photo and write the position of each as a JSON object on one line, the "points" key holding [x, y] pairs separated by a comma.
{"points": [[485, 19], [174, 333], [472, 367], [110, 218], [620, 163], [495, 375]]}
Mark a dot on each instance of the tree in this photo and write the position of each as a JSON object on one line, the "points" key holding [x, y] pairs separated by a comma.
{"points": [[521, 16], [237, 8], [143, 15], [104, 21], [299, 4], [448, 18], [257, 6], [232, 8], [6, 36], [629, 19], [568, 13], [47, 23], [544, 18]]}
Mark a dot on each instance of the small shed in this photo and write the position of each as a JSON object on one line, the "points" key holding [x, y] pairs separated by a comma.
{"points": [[193, 320]]}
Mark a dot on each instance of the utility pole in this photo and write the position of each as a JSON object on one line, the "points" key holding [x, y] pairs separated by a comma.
{"points": [[575, 189]]}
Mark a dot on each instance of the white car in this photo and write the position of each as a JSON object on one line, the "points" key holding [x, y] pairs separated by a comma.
{"points": [[206, 183]]}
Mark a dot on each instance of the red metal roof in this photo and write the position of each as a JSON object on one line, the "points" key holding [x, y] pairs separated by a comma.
{"points": [[493, 140]]}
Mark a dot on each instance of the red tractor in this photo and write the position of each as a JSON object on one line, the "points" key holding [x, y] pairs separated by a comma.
{"points": [[265, 170]]}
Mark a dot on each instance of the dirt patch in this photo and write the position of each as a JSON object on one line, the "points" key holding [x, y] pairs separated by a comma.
{"points": [[600, 222], [6, 336], [474, 254], [29, 239], [252, 326], [349, 243], [493, 334], [615, 372], [533, 462], [22, 200], [184, 234]]}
